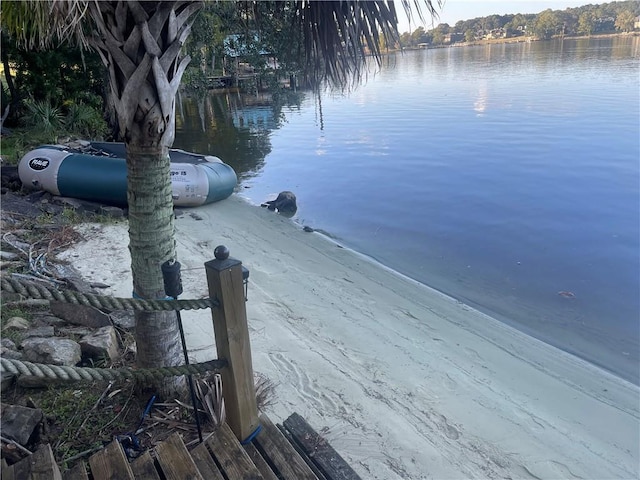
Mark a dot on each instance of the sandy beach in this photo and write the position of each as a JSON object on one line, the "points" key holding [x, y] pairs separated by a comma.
{"points": [[405, 382]]}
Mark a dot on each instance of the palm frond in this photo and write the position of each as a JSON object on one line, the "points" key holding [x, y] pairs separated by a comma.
{"points": [[39, 24], [335, 37]]}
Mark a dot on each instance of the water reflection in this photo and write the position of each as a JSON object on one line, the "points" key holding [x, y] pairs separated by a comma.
{"points": [[501, 175], [231, 125], [480, 104]]}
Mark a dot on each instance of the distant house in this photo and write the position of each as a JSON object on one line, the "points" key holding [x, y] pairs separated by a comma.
{"points": [[453, 38], [497, 33], [636, 24], [241, 47]]}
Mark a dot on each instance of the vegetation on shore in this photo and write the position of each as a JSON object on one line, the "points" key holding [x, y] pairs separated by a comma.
{"points": [[588, 20]]}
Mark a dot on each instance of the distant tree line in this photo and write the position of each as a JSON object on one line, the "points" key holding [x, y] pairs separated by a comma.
{"points": [[613, 17]]}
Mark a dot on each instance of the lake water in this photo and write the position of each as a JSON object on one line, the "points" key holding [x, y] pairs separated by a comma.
{"points": [[506, 176]]}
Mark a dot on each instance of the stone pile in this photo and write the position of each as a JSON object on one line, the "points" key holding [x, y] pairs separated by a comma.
{"points": [[65, 335], [51, 333], [75, 335]]}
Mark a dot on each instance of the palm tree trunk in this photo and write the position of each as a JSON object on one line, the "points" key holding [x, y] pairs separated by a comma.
{"points": [[151, 242], [140, 43]]}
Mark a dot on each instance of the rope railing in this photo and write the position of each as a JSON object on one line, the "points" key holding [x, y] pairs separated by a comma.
{"points": [[226, 281], [46, 292], [80, 374]]}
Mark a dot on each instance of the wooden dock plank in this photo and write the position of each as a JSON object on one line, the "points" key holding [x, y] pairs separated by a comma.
{"points": [[259, 462], [175, 461], [7, 471], [21, 469], [281, 454], [205, 462], [235, 462], [328, 461], [110, 463], [44, 466], [304, 456], [40, 465], [78, 472], [144, 468]]}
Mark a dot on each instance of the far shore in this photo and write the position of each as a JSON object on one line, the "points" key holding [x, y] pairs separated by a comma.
{"points": [[523, 39], [405, 382]]}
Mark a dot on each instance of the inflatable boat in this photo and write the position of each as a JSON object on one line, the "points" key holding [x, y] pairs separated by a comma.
{"points": [[98, 172]]}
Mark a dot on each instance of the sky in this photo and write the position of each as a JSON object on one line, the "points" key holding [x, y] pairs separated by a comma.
{"points": [[454, 10]]}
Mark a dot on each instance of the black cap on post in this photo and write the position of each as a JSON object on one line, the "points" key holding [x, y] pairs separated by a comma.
{"points": [[222, 260], [221, 252]]}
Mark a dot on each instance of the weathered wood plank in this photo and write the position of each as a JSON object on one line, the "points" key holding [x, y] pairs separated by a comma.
{"points": [[144, 468], [43, 464], [281, 454], [22, 469], [205, 462], [40, 465], [224, 278], [110, 463], [259, 462], [304, 456], [175, 461], [7, 471], [235, 462], [78, 472], [323, 455]]}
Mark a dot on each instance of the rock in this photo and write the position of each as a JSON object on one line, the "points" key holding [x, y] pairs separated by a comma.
{"points": [[38, 196], [8, 349], [125, 319], [103, 343], [74, 331], [307, 229], [46, 331], [47, 319], [68, 202], [80, 314], [18, 423], [111, 212], [17, 323], [52, 351], [11, 354]]}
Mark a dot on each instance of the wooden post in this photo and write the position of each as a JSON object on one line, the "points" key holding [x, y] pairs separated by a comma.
{"points": [[224, 277]]}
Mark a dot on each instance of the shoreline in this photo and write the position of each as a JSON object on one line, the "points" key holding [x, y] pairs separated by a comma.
{"points": [[523, 39], [614, 366], [405, 381]]}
